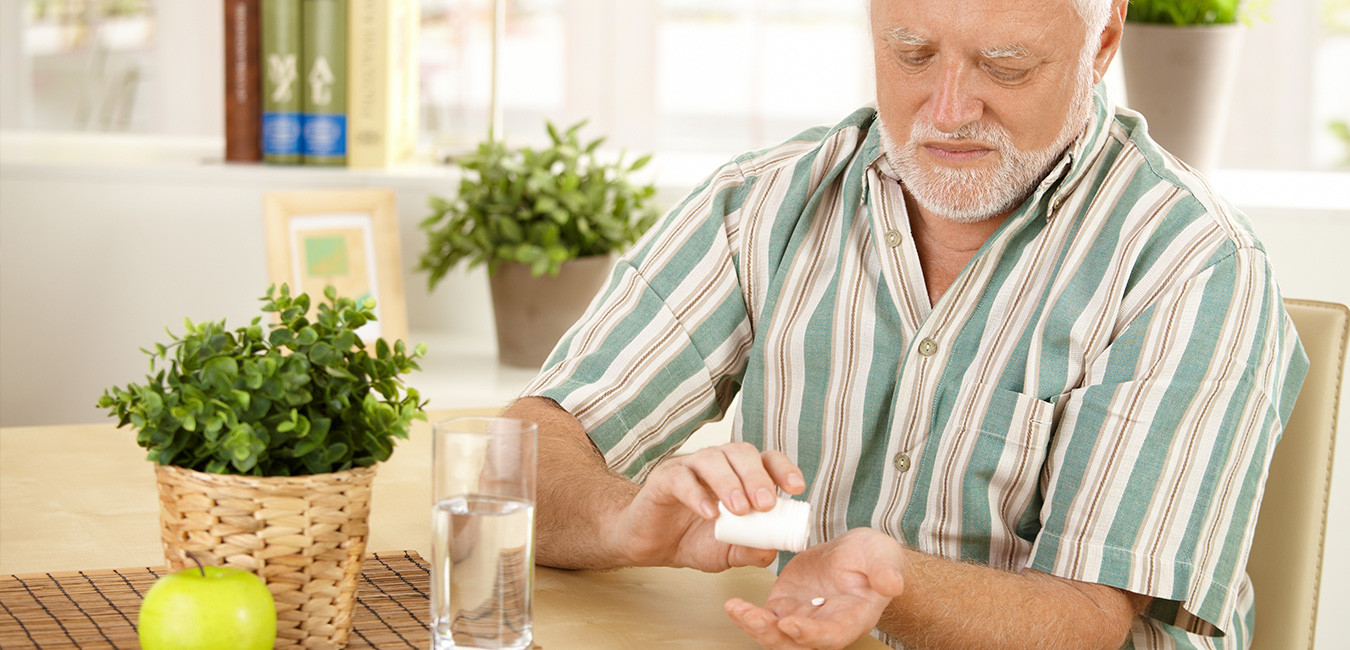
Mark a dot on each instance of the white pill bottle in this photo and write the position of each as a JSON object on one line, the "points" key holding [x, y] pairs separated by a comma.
{"points": [[784, 528]]}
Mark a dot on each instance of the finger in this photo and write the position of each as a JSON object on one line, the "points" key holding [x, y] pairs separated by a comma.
{"points": [[759, 623], [684, 485], [785, 606], [885, 578], [754, 620], [715, 467], [886, 569], [816, 633], [748, 462], [746, 556], [783, 471], [736, 608]]}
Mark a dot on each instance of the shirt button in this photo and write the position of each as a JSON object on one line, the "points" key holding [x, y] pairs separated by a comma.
{"points": [[927, 347], [893, 238], [902, 462]]}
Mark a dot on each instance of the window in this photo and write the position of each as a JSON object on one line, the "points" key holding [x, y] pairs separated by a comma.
{"points": [[673, 76], [723, 76], [668, 75], [731, 74], [456, 52], [1331, 95], [87, 63]]}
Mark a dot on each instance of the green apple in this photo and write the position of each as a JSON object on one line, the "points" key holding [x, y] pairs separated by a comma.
{"points": [[208, 608]]}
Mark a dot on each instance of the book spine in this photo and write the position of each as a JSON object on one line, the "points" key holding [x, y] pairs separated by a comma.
{"points": [[282, 100], [408, 15], [383, 92], [324, 44], [243, 81], [369, 48]]}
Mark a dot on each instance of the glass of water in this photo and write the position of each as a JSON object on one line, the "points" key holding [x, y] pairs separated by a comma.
{"points": [[482, 523]]}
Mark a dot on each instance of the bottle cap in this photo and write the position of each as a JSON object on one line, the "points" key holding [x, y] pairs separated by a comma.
{"points": [[784, 528]]}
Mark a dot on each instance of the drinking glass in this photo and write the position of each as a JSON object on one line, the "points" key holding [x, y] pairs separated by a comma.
{"points": [[482, 523]]}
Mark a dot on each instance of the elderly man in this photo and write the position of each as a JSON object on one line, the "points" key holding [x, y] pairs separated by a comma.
{"points": [[1026, 367]]}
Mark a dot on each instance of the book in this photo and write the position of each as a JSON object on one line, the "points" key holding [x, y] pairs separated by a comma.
{"points": [[281, 100], [410, 62], [324, 48], [243, 81], [382, 88]]}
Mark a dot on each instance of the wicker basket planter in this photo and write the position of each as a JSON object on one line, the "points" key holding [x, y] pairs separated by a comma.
{"points": [[303, 535]]}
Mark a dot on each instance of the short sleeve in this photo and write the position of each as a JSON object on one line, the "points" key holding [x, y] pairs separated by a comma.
{"points": [[1158, 463], [661, 350]]}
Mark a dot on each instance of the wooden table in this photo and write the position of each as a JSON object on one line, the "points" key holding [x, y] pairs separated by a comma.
{"points": [[83, 497]]}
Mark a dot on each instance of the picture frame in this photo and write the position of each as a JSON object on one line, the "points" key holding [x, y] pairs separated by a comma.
{"points": [[344, 238]]}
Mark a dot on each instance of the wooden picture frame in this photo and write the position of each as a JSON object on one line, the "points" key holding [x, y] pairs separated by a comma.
{"points": [[344, 238]]}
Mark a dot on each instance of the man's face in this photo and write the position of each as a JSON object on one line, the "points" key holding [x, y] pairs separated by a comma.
{"points": [[978, 98]]}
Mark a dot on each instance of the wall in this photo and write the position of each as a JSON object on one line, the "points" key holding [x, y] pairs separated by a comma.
{"points": [[99, 260], [96, 259]]}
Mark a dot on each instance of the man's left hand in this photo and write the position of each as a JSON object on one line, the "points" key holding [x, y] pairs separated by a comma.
{"points": [[856, 574]]}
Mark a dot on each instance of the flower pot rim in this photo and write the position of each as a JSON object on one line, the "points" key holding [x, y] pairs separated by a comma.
{"points": [[251, 478], [1197, 27], [611, 255]]}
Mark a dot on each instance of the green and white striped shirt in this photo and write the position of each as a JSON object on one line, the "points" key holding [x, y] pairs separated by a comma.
{"points": [[1096, 396]]}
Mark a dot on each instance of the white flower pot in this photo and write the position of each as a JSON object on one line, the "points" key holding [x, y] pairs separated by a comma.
{"points": [[1181, 80], [532, 313]]}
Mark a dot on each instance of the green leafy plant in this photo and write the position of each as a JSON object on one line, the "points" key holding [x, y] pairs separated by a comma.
{"points": [[539, 207], [304, 398], [1186, 12]]}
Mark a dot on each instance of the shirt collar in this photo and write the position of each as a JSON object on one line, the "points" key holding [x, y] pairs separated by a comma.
{"points": [[871, 150], [1073, 166]]}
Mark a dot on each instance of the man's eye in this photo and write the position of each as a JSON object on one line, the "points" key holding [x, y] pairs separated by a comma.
{"points": [[1005, 74], [914, 60]]}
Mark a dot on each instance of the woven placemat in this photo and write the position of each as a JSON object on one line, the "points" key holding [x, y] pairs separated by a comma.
{"points": [[98, 609]]}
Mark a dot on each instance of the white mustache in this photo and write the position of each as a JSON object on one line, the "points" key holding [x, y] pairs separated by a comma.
{"points": [[982, 133]]}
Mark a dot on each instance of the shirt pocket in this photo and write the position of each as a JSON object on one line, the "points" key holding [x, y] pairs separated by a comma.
{"points": [[987, 475]]}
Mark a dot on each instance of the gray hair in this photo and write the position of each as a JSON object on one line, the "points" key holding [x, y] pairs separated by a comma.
{"points": [[1094, 13]]}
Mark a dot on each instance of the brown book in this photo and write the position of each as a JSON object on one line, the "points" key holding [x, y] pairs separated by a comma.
{"points": [[243, 81]]}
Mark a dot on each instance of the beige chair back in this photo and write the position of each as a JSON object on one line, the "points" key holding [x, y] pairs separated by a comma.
{"points": [[1286, 558]]}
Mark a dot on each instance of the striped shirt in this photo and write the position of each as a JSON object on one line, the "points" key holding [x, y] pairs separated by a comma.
{"points": [[1096, 395]]}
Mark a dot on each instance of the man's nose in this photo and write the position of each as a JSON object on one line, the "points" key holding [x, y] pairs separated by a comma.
{"points": [[953, 105]]}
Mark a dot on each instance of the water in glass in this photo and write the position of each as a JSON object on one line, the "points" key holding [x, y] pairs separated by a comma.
{"points": [[483, 554]]}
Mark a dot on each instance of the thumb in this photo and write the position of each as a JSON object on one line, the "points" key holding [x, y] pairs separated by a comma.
{"points": [[747, 556], [886, 575]]}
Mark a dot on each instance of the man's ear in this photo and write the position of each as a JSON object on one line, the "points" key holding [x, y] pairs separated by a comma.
{"points": [[1110, 39]]}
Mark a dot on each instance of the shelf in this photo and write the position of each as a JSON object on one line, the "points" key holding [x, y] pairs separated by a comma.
{"points": [[138, 157]]}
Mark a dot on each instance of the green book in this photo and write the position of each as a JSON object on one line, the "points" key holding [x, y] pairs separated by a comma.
{"points": [[324, 63], [281, 100]]}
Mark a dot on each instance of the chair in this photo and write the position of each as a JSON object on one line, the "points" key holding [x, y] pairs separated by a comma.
{"points": [[1286, 557]]}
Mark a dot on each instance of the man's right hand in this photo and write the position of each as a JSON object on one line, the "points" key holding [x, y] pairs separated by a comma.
{"points": [[670, 520], [589, 517]]}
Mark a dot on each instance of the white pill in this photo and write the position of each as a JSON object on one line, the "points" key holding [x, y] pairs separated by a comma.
{"points": [[817, 601]]}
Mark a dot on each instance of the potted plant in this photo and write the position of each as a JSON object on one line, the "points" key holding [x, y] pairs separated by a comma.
{"points": [[546, 223], [1180, 61], [266, 442]]}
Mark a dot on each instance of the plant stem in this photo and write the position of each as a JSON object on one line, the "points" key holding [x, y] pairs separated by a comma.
{"points": [[194, 558]]}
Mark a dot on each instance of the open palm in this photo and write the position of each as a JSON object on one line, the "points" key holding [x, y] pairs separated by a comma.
{"points": [[853, 577]]}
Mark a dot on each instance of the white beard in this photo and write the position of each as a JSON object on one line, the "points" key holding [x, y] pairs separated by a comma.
{"points": [[970, 196]]}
